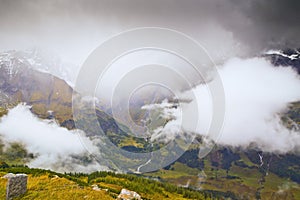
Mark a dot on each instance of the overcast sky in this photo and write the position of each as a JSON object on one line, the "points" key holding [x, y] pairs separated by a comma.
{"points": [[73, 28]]}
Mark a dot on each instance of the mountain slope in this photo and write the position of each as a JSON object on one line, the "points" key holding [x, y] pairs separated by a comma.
{"points": [[246, 173], [45, 184], [21, 83]]}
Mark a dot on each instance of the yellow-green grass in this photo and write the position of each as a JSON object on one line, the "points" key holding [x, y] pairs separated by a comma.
{"points": [[44, 188], [178, 170], [242, 181], [279, 188], [249, 177], [46, 185], [246, 160], [130, 141]]}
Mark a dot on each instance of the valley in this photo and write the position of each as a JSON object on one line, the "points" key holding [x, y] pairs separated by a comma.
{"points": [[227, 172]]}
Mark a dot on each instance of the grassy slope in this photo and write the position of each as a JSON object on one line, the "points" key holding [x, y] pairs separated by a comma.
{"points": [[44, 187], [44, 184]]}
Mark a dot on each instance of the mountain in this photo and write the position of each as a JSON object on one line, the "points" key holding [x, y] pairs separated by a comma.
{"points": [[51, 97], [288, 57], [228, 172], [21, 82]]}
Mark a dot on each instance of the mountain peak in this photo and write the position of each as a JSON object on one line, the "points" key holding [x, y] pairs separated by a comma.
{"points": [[287, 57]]}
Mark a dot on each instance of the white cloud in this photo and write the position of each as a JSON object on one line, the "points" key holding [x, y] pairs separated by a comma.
{"points": [[53, 144], [256, 94]]}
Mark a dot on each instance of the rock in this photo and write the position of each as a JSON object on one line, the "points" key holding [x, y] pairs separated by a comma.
{"points": [[128, 195], [55, 177], [95, 187], [16, 185]]}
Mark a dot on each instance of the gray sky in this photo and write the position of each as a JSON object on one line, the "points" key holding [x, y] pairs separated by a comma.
{"points": [[73, 28]]}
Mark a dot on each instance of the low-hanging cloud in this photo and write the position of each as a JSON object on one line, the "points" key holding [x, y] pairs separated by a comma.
{"points": [[55, 147], [257, 94]]}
